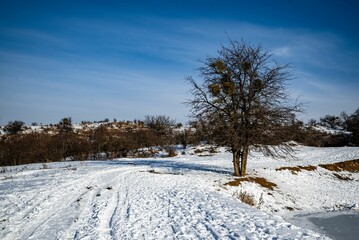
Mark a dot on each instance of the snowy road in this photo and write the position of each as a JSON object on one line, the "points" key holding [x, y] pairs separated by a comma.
{"points": [[119, 200]]}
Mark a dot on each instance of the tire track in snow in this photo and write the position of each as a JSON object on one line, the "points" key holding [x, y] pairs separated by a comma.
{"points": [[111, 206], [35, 210], [94, 222], [144, 205], [58, 206], [50, 213]]}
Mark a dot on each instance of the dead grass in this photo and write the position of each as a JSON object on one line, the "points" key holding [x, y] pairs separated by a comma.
{"points": [[297, 169], [261, 181], [206, 151], [170, 173], [349, 166], [246, 198], [341, 177], [153, 171]]}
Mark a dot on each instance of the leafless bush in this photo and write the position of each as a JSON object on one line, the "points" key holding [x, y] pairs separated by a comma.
{"points": [[245, 197]]}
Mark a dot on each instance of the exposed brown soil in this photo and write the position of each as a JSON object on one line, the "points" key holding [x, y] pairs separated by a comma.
{"points": [[261, 181], [349, 166]]}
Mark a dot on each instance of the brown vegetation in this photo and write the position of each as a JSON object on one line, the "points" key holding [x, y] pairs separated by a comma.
{"points": [[246, 198], [170, 173], [261, 181], [349, 166], [296, 169], [97, 142], [341, 177]]}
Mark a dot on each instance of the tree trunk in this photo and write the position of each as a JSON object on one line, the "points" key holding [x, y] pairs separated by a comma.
{"points": [[244, 157], [236, 162]]}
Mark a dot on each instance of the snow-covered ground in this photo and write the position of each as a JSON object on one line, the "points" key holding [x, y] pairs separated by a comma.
{"points": [[184, 197]]}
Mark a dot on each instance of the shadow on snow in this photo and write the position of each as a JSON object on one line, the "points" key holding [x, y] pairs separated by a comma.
{"points": [[167, 164]]}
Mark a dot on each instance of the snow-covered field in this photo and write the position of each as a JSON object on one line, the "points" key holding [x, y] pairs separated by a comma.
{"points": [[171, 198]]}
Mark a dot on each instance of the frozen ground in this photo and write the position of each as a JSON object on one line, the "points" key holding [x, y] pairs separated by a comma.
{"points": [[178, 198]]}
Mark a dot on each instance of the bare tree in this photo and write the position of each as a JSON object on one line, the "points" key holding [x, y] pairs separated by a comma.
{"points": [[160, 123], [161, 126], [65, 125], [353, 126], [244, 100], [14, 127], [331, 121], [65, 130]]}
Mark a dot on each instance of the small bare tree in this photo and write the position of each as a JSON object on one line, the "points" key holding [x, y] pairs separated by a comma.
{"points": [[65, 130], [160, 123], [244, 100], [14, 127]]}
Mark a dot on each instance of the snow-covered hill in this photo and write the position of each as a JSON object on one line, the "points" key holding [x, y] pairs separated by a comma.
{"points": [[178, 198]]}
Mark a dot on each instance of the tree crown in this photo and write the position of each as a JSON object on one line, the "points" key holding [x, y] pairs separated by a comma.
{"points": [[243, 96]]}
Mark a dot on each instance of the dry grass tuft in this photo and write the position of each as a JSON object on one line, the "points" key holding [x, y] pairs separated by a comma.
{"points": [[245, 197], [341, 177], [170, 173], [349, 166], [261, 181], [297, 169]]}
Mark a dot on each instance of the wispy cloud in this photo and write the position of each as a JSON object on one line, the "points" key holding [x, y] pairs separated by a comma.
{"points": [[129, 68], [282, 51]]}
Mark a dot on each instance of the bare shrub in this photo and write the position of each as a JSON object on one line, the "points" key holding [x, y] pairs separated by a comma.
{"points": [[245, 197], [171, 151]]}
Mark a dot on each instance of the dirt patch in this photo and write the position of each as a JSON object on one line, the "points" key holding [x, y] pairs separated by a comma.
{"points": [[261, 181], [297, 169], [349, 166]]}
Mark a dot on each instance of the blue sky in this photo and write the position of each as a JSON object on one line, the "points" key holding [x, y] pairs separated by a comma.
{"points": [[92, 60]]}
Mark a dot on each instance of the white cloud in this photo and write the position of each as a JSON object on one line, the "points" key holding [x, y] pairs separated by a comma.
{"points": [[282, 51]]}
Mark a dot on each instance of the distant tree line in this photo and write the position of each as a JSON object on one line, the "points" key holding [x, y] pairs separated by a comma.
{"points": [[18, 147], [328, 131], [345, 127], [64, 142]]}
